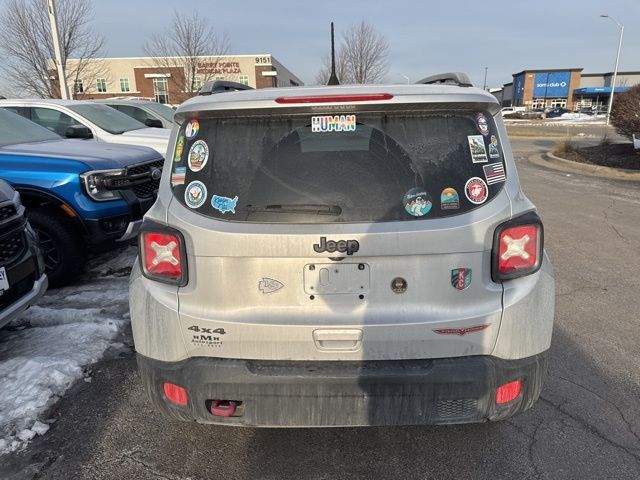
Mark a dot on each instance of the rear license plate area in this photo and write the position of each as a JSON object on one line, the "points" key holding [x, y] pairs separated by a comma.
{"points": [[336, 279]]}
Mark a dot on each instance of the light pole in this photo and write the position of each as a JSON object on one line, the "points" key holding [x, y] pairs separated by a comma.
{"points": [[405, 77], [62, 78], [485, 78], [615, 71]]}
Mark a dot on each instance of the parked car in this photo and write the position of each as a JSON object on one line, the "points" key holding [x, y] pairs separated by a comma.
{"points": [[88, 120], [152, 114], [510, 110], [22, 277], [348, 255], [556, 112], [78, 194]]}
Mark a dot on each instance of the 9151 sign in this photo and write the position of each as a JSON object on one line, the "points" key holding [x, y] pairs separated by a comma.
{"points": [[263, 60]]}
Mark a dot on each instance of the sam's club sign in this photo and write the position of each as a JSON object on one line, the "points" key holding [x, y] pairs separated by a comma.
{"points": [[552, 84]]}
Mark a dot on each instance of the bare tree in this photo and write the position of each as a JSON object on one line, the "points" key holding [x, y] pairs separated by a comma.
{"points": [[26, 44], [191, 46], [362, 57]]}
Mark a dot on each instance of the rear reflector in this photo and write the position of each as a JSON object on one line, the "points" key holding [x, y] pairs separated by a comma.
{"points": [[361, 97], [175, 393], [508, 392]]}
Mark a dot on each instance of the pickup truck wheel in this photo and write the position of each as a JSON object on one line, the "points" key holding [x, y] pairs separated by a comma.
{"points": [[64, 254]]}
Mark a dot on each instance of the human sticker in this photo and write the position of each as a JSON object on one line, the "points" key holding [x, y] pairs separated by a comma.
{"points": [[178, 176], [478, 150], [460, 278], [476, 190], [193, 127], [449, 199], [493, 147], [179, 147], [417, 202], [483, 124], [195, 194], [224, 204], [198, 155], [333, 123]]}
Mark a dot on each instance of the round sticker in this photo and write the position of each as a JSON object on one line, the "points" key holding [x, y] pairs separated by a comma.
{"points": [[179, 148], [417, 202], [193, 127], [198, 156], [195, 194], [476, 190], [482, 123]]}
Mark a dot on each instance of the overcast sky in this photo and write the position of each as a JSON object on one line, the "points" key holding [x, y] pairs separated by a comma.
{"points": [[506, 36]]}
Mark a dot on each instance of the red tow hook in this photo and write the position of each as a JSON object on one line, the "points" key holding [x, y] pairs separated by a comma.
{"points": [[223, 408]]}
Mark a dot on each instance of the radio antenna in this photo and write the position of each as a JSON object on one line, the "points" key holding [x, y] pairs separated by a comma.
{"points": [[333, 79]]}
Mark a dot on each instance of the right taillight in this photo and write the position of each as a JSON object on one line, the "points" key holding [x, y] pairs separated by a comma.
{"points": [[162, 254], [517, 248]]}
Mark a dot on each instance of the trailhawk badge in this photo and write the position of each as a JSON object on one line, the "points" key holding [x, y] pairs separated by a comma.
{"points": [[460, 278]]}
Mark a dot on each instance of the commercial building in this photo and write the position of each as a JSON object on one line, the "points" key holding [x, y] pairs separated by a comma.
{"points": [[567, 87], [173, 79]]}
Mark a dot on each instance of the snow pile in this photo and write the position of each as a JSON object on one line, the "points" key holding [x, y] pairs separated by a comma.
{"points": [[44, 352]]}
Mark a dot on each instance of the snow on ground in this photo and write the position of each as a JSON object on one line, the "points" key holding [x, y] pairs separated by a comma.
{"points": [[52, 345]]}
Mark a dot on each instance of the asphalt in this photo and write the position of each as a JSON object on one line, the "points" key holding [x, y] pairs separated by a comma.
{"points": [[585, 426]]}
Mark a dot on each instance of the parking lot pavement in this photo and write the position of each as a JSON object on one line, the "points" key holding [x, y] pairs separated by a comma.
{"points": [[586, 424]]}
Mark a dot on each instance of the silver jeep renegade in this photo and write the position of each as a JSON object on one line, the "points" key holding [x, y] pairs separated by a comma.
{"points": [[338, 256]]}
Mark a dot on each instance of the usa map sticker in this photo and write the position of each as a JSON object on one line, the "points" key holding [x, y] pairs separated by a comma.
{"points": [[333, 123], [198, 156], [449, 199], [224, 204], [179, 147], [195, 194], [483, 124], [478, 150], [193, 127], [178, 176], [476, 190], [494, 173], [493, 147]]}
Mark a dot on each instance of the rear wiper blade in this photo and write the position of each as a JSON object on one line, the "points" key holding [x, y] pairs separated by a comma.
{"points": [[312, 208]]}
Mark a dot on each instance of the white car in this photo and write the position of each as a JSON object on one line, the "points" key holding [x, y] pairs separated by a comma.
{"points": [[506, 110], [89, 120]]}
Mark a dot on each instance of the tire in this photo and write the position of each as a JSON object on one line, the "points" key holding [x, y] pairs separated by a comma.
{"points": [[63, 252]]}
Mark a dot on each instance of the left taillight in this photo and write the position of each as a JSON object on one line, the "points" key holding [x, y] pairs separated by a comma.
{"points": [[517, 248], [162, 255]]}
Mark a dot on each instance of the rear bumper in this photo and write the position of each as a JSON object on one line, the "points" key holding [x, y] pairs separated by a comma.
{"points": [[303, 394]]}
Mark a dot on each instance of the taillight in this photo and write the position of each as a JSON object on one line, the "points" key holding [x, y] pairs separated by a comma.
{"points": [[162, 254], [517, 248], [175, 393], [508, 392], [350, 98]]}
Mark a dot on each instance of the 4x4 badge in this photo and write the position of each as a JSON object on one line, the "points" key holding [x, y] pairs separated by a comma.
{"points": [[269, 285], [342, 246], [460, 278]]}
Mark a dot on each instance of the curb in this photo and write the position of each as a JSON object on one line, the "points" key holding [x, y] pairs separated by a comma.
{"points": [[549, 160]]}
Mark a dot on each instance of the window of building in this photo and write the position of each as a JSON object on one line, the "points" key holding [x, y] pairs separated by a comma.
{"points": [[197, 83], [219, 77], [124, 85], [244, 79], [161, 89], [78, 87], [559, 102], [102, 85]]}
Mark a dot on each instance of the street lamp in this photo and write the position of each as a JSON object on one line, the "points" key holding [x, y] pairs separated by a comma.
{"points": [[615, 71], [405, 77], [485, 78]]}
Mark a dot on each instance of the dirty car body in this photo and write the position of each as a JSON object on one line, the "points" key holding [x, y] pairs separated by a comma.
{"points": [[342, 256]]}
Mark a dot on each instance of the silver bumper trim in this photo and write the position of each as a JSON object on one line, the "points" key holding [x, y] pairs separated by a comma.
{"points": [[20, 305], [132, 231]]}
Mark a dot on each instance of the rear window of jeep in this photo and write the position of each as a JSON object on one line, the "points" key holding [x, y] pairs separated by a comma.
{"points": [[338, 167]]}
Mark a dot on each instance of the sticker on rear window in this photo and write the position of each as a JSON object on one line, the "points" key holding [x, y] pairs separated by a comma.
{"points": [[476, 190], [193, 127], [449, 199], [198, 156], [333, 123], [224, 204], [483, 124], [178, 176], [478, 150], [493, 147], [179, 147], [417, 202], [494, 173], [195, 194]]}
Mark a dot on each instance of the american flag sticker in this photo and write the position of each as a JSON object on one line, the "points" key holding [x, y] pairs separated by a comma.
{"points": [[494, 172]]}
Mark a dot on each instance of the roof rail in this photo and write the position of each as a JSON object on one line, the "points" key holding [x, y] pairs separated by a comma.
{"points": [[451, 78], [221, 86]]}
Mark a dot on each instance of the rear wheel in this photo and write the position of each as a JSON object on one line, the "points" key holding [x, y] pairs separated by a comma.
{"points": [[63, 252]]}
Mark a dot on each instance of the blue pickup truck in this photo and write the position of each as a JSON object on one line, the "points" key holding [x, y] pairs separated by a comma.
{"points": [[79, 195]]}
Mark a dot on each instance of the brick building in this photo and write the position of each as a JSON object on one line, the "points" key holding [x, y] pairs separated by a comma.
{"points": [[166, 80]]}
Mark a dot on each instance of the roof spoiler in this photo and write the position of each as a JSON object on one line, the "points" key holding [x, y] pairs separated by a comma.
{"points": [[221, 86], [451, 78]]}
